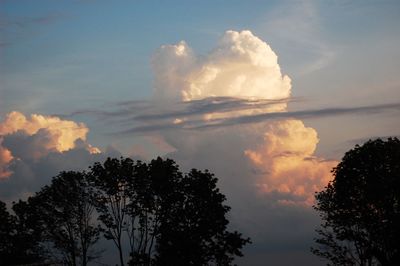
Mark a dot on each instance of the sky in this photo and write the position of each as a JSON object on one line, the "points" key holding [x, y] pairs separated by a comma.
{"points": [[268, 95]]}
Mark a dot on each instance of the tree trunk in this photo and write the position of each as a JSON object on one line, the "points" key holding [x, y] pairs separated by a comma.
{"points": [[121, 257]]}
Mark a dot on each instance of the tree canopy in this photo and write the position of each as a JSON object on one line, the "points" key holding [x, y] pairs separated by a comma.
{"points": [[170, 218], [151, 211], [65, 210], [20, 235], [360, 208]]}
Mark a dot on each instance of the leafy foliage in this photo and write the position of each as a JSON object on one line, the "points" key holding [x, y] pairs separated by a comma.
{"points": [[360, 207], [19, 235], [111, 182], [195, 231], [65, 210], [167, 217]]}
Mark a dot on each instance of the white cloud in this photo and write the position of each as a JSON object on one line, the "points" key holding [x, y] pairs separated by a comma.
{"points": [[241, 66], [244, 67]]}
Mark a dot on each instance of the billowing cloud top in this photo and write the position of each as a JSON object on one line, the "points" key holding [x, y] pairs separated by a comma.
{"points": [[287, 164], [39, 135], [240, 77], [62, 133], [241, 66]]}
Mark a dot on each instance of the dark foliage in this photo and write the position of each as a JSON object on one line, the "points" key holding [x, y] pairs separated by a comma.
{"points": [[194, 232], [360, 208], [6, 230], [169, 218], [19, 236], [111, 182], [155, 193], [65, 210]]}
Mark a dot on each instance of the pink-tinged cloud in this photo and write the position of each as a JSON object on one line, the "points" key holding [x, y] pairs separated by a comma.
{"points": [[287, 162], [62, 133], [39, 135], [5, 159], [245, 67]]}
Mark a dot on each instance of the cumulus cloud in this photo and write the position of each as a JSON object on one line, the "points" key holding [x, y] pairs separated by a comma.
{"points": [[5, 159], [286, 162], [261, 163], [35, 148], [262, 155], [61, 134], [241, 66], [244, 68]]}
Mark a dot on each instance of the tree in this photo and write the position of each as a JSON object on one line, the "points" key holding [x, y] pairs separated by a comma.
{"points": [[19, 236], [154, 192], [6, 232], [186, 218], [194, 231], [360, 208], [169, 218], [65, 210], [110, 181]]}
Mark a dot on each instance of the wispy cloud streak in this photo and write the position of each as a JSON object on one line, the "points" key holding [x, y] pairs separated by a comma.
{"points": [[23, 22], [213, 105], [191, 114], [304, 114], [197, 123]]}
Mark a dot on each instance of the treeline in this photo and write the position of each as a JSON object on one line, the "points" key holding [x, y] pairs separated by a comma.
{"points": [[165, 216], [360, 207]]}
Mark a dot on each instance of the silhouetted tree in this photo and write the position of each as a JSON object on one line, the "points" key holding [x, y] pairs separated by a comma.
{"points": [[193, 231], [183, 217], [154, 193], [66, 213], [19, 236], [129, 199], [169, 218], [360, 208], [110, 181], [6, 233]]}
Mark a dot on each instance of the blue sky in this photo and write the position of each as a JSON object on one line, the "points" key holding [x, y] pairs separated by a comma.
{"points": [[86, 46], [63, 55], [98, 62]]}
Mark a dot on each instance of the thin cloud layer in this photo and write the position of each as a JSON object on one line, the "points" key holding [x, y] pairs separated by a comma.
{"points": [[190, 115]]}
